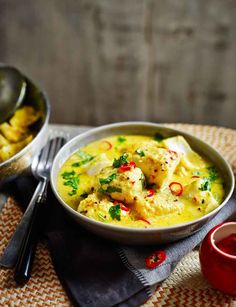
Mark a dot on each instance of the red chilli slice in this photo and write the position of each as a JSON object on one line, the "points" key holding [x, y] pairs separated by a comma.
{"points": [[144, 220], [106, 145], [155, 259], [195, 177], [176, 188], [150, 192], [122, 207], [126, 167]]}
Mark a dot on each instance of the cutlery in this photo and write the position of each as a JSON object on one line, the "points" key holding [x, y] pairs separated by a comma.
{"points": [[9, 257], [26, 230], [41, 167], [12, 91]]}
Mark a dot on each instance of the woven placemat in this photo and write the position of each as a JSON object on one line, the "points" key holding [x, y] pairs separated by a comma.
{"points": [[185, 286]]}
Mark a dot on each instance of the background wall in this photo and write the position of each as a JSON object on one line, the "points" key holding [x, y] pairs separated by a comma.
{"points": [[115, 60]]}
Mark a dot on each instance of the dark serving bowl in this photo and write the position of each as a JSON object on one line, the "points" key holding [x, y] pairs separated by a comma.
{"points": [[129, 235], [21, 161]]}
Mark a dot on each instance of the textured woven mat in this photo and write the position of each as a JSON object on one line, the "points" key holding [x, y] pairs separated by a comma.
{"points": [[185, 286]]}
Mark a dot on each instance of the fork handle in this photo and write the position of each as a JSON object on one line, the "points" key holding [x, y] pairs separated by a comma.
{"points": [[27, 250], [10, 255]]}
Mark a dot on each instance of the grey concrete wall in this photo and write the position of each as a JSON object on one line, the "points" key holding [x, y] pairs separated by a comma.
{"points": [[115, 60]]}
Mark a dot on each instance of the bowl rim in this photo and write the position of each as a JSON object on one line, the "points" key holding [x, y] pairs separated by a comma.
{"points": [[43, 127], [136, 229], [213, 243]]}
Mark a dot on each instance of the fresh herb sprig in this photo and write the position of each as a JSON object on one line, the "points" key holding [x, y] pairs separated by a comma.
{"points": [[140, 152], [109, 190], [121, 139], [108, 179], [143, 181], [112, 189], [213, 173], [206, 185], [103, 218], [121, 160], [71, 179], [115, 212], [158, 137], [85, 158]]}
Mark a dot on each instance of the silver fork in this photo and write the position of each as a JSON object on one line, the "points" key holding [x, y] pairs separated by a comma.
{"points": [[20, 249], [41, 168]]}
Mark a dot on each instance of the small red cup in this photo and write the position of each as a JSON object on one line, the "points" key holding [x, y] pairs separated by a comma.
{"points": [[218, 266]]}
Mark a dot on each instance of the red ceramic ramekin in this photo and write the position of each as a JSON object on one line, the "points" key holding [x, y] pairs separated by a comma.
{"points": [[217, 266]]}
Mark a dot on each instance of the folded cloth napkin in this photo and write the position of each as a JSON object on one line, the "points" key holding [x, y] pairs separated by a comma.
{"points": [[97, 272]]}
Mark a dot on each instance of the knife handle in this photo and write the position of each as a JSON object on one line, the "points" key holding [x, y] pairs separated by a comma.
{"points": [[27, 251]]}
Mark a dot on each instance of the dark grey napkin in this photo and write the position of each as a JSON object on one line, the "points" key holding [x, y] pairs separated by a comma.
{"points": [[88, 266], [95, 271]]}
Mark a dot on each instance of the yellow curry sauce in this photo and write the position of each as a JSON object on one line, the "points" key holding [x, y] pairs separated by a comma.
{"points": [[140, 181]]}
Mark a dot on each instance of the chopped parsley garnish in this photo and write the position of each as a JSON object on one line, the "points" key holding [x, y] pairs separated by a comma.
{"points": [[121, 160], [213, 174], [109, 190], [71, 179], [121, 139], [158, 137], [84, 195], [140, 152], [115, 212], [101, 190], [102, 217], [85, 159], [68, 175], [142, 178], [108, 179], [206, 185]]}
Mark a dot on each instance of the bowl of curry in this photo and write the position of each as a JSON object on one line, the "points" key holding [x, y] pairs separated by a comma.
{"points": [[141, 183]]}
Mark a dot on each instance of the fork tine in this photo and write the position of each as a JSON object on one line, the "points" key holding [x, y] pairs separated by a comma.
{"points": [[42, 164], [60, 143], [35, 161], [43, 158], [56, 145], [52, 152]]}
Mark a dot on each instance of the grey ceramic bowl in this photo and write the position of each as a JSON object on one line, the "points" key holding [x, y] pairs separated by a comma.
{"points": [[141, 235], [21, 161]]}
